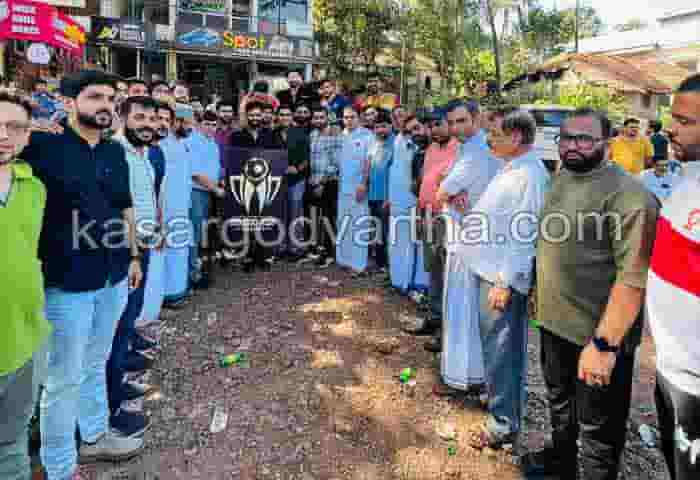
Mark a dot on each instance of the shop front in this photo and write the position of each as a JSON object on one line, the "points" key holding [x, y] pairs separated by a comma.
{"points": [[38, 41], [226, 61], [124, 48]]}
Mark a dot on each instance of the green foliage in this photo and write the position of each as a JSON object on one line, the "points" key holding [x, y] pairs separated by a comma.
{"points": [[586, 95]]}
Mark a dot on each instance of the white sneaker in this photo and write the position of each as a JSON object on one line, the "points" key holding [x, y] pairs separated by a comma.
{"points": [[110, 448]]}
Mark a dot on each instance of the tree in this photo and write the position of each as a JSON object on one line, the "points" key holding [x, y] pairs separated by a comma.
{"points": [[352, 33], [593, 96], [632, 24], [490, 11]]}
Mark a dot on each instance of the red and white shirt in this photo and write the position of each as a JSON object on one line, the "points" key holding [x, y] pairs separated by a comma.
{"points": [[673, 289]]}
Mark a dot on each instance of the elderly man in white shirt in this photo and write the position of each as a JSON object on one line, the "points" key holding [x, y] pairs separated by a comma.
{"points": [[498, 243]]}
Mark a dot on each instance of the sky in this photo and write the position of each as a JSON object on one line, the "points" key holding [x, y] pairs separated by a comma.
{"points": [[616, 12]]}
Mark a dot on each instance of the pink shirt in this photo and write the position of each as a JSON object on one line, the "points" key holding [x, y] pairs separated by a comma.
{"points": [[438, 162]]}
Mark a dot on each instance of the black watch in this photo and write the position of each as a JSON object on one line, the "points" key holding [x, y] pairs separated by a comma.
{"points": [[603, 346]]}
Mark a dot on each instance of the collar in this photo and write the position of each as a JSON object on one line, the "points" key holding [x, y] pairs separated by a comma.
{"points": [[21, 170], [120, 138], [529, 157]]}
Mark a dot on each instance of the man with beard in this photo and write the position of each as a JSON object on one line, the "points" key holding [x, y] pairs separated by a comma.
{"points": [[139, 117], [439, 160], [406, 263], [155, 289], [297, 93], [377, 97], [631, 150], [160, 91], [137, 88], [268, 118], [381, 155], [225, 112], [296, 140], [25, 329], [254, 135], [302, 116], [673, 295], [325, 147], [592, 260], [86, 261], [369, 117], [206, 175], [180, 155]]}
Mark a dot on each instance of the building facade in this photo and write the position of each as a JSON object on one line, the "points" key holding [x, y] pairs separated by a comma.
{"points": [[216, 46]]}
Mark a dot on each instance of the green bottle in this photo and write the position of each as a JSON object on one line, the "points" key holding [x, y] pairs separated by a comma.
{"points": [[232, 359]]}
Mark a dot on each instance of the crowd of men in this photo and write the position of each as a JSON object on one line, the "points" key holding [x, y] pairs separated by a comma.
{"points": [[104, 211]]}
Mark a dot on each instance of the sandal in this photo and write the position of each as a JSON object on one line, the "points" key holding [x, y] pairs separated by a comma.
{"points": [[483, 438]]}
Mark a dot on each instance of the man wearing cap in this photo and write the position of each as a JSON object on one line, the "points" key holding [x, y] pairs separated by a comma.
{"points": [[89, 263], [179, 154]]}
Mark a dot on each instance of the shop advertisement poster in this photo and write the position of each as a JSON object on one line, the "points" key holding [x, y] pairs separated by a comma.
{"points": [[40, 22], [116, 30], [254, 45]]}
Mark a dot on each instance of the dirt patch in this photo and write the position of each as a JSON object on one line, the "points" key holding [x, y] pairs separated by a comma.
{"points": [[321, 397]]}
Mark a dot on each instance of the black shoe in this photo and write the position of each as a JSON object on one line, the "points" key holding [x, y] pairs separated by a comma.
{"points": [[416, 325], [434, 345], [141, 344], [544, 462], [137, 362], [129, 424], [130, 392]]}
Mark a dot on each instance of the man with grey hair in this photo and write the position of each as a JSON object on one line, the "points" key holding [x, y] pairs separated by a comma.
{"points": [[499, 249]]}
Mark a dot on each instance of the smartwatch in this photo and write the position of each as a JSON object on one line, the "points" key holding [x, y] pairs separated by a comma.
{"points": [[602, 345]]}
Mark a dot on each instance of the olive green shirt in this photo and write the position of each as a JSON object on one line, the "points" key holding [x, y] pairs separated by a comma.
{"points": [[611, 222]]}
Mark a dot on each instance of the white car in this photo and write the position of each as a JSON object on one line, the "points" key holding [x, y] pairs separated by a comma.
{"points": [[549, 119]]}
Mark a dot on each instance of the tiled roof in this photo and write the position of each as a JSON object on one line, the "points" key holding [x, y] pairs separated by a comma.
{"points": [[648, 76]]}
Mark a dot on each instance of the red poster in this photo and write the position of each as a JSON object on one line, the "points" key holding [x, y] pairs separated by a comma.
{"points": [[40, 22]]}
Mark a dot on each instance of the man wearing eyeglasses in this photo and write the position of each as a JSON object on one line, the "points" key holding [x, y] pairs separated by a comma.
{"points": [[593, 252]]}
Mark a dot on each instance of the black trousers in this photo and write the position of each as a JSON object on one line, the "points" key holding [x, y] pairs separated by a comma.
{"points": [[379, 241], [679, 412], [326, 214], [596, 416]]}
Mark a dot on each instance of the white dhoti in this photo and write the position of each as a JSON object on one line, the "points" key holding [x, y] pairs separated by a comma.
{"points": [[154, 289], [406, 264], [462, 362], [352, 249]]}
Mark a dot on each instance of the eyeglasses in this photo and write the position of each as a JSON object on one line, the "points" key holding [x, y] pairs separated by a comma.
{"points": [[14, 129], [581, 140]]}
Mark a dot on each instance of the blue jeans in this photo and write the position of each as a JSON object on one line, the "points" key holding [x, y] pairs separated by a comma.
{"points": [[504, 342], [75, 390], [295, 231], [199, 213], [126, 331]]}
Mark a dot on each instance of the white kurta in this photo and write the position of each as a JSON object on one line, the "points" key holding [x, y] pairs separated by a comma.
{"points": [[462, 362], [406, 264], [154, 289], [177, 198], [353, 216]]}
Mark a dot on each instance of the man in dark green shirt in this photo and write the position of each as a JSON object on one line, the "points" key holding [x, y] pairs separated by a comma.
{"points": [[593, 253]]}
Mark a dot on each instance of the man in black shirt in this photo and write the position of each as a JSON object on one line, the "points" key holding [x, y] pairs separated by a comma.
{"points": [[297, 93], [255, 135]]}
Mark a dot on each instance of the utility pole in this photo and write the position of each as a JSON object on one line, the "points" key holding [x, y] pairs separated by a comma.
{"points": [[576, 28]]}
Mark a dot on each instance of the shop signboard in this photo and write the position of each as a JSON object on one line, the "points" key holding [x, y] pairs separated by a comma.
{"points": [[204, 6], [40, 22], [253, 45], [116, 30], [67, 3]]}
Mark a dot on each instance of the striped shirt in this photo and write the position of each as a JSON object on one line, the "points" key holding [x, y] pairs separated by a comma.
{"points": [[673, 288], [142, 181]]}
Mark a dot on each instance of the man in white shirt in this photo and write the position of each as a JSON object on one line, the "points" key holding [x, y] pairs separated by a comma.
{"points": [[498, 242], [673, 295], [660, 180]]}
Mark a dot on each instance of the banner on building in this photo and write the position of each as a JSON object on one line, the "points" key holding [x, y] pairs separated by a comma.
{"points": [[254, 45], [117, 30], [40, 22], [256, 193], [204, 6]]}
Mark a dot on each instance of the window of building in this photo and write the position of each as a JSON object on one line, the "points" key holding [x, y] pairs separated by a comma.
{"points": [[283, 10]]}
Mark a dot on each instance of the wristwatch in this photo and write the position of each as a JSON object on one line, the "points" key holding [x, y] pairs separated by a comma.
{"points": [[602, 345]]}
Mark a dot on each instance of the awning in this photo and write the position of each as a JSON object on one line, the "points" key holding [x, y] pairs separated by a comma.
{"points": [[40, 22]]}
